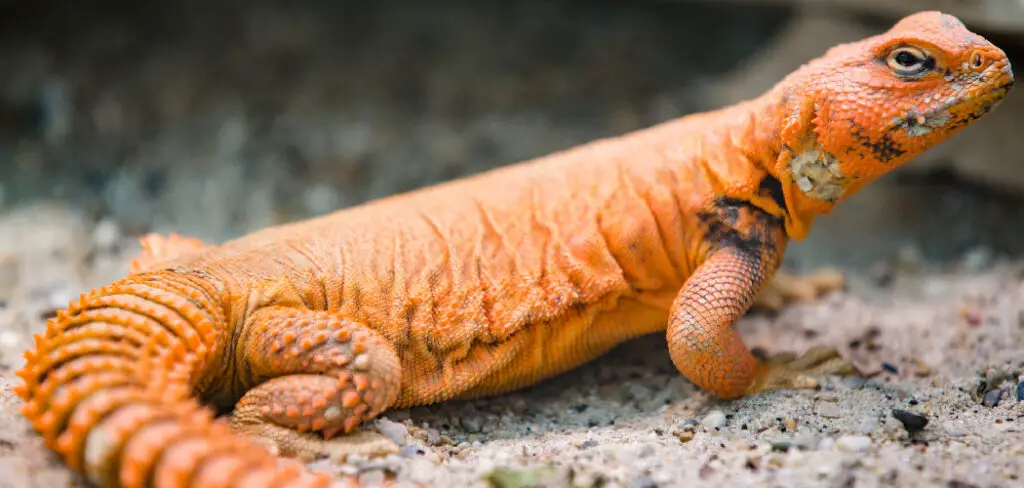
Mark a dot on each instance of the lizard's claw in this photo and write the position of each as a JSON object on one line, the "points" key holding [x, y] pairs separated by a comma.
{"points": [[787, 371], [310, 446], [330, 432], [364, 443], [785, 288]]}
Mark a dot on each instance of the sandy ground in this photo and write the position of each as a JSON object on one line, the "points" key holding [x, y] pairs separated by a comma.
{"points": [[943, 343]]}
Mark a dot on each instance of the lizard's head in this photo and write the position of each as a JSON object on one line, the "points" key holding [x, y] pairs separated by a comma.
{"points": [[868, 107]]}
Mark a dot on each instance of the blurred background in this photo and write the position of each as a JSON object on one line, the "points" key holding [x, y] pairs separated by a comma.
{"points": [[213, 119]]}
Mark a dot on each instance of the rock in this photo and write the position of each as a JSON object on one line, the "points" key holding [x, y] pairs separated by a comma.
{"points": [[993, 397], [853, 443], [714, 419], [911, 421], [685, 436], [688, 423], [411, 450], [394, 431], [433, 437], [829, 410]]}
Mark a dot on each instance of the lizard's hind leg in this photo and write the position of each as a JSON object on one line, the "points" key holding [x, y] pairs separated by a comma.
{"points": [[318, 375]]}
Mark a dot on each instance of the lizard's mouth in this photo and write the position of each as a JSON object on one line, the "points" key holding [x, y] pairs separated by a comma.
{"points": [[992, 99], [959, 111]]}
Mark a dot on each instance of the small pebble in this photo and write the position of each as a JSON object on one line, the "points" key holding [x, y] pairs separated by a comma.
{"points": [[789, 423], [911, 421], [804, 442], [853, 443], [433, 437], [685, 435], [371, 478], [992, 397], [411, 450], [829, 410], [921, 369], [688, 422], [714, 419], [587, 444], [394, 431], [828, 396]]}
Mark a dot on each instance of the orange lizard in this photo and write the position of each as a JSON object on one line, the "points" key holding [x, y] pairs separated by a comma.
{"points": [[490, 283]]}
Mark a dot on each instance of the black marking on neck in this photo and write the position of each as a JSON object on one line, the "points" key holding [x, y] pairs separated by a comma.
{"points": [[739, 224], [771, 187], [883, 148]]}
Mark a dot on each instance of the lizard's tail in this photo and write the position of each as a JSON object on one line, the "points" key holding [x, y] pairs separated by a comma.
{"points": [[109, 386]]}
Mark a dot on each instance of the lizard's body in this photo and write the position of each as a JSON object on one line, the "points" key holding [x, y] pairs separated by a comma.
{"points": [[493, 282], [487, 291]]}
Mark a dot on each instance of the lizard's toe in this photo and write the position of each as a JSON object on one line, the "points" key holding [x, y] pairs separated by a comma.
{"points": [[311, 446], [787, 371], [364, 443]]}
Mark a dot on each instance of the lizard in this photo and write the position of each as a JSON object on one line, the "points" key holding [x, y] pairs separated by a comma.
{"points": [[489, 283]]}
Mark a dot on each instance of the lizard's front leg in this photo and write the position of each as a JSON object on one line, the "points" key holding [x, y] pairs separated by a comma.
{"points": [[320, 375], [710, 352]]}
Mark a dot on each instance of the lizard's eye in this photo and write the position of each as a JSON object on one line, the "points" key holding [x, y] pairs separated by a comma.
{"points": [[908, 60]]}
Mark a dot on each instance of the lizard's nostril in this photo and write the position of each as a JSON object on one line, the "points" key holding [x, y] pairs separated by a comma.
{"points": [[977, 60]]}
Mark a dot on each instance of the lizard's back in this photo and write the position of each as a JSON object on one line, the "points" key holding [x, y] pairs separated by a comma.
{"points": [[514, 266]]}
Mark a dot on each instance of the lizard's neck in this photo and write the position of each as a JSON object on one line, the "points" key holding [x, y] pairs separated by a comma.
{"points": [[780, 167]]}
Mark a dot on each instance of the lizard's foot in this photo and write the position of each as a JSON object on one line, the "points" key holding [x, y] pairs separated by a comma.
{"points": [[785, 288], [787, 371], [327, 376], [287, 442]]}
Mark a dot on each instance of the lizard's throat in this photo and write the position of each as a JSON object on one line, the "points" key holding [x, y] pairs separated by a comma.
{"points": [[813, 183], [816, 173]]}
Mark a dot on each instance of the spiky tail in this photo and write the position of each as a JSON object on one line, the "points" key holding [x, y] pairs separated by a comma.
{"points": [[110, 388]]}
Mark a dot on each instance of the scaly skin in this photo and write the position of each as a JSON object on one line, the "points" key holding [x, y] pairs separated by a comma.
{"points": [[490, 283]]}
